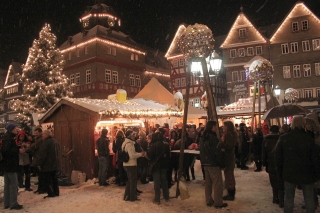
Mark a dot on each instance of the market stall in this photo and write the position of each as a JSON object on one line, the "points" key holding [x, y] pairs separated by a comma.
{"points": [[78, 123]]}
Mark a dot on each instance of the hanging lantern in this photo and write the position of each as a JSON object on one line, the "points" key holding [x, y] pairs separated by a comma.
{"points": [[261, 70]]}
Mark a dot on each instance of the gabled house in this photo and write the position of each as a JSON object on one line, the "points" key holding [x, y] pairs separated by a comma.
{"points": [[295, 49]]}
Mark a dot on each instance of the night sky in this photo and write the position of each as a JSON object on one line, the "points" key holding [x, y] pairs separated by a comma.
{"points": [[150, 22]]}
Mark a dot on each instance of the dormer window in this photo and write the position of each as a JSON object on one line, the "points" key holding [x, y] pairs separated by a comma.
{"points": [[304, 25], [242, 33], [295, 27], [241, 52]]}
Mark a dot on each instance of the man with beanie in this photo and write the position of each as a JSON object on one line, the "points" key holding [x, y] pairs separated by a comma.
{"points": [[10, 153], [102, 145], [48, 163]]}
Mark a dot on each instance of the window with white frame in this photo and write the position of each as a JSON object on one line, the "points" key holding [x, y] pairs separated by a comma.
{"points": [[191, 102], [108, 76], [181, 62], [88, 76], [77, 79], [304, 25], [286, 72], [318, 93], [242, 33], [305, 46], [243, 76], [241, 52], [259, 50], [108, 50], [307, 70], [132, 57], [78, 52], [86, 51], [295, 26], [131, 79], [233, 53], [294, 47], [308, 93], [316, 44], [197, 102], [113, 51], [72, 79], [181, 70], [69, 56], [284, 48], [299, 93], [235, 77], [138, 81], [115, 79], [175, 63], [296, 71], [177, 83], [183, 82], [250, 51], [317, 68]]}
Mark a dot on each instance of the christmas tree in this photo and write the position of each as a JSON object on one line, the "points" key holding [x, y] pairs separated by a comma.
{"points": [[42, 78]]}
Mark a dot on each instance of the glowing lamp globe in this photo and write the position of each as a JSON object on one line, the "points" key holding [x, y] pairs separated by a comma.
{"points": [[261, 70], [291, 94]]}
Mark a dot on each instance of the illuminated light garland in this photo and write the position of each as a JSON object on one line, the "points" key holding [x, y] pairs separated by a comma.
{"points": [[291, 94], [176, 56], [173, 44], [261, 70], [299, 5], [98, 15], [196, 41], [236, 26], [106, 42], [157, 73]]}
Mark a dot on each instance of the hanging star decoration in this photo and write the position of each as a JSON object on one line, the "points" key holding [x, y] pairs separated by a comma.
{"points": [[196, 41], [291, 94], [261, 70]]}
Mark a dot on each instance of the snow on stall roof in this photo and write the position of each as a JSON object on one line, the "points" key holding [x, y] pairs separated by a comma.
{"points": [[134, 106]]}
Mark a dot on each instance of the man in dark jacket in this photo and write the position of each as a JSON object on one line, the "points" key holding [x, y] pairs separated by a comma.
{"points": [[211, 159], [297, 163], [103, 156], [10, 154], [48, 163]]}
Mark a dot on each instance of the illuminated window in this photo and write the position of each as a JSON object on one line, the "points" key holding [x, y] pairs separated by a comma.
{"points": [[259, 50], [72, 79], [175, 63], [115, 79], [307, 70], [304, 25], [294, 47], [242, 33], [284, 48], [295, 27], [108, 50], [243, 76], [286, 72], [233, 53], [132, 57], [88, 76], [317, 68], [108, 76], [138, 81], [131, 78], [305, 46], [183, 82], [191, 102], [177, 82], [86, 51], [197, 102], [77, 79], [316, 44], [241, 52], [113, 51], [296, 71], [181, 62], [235, 77], [308, 93], [250, 51]]}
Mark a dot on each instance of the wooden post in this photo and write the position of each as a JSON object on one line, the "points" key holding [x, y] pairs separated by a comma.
{"points": [[259, 103], [184, 126], [272, 100], [266, 99], [253, 106]]}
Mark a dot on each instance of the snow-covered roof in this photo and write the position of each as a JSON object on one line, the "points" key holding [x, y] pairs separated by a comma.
{"points": [[243, 106]]}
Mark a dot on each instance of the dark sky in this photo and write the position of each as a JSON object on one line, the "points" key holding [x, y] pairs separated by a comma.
{"points": [[150, 22]]}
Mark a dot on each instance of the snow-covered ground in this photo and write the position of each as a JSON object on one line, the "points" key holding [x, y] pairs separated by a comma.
{"points": [[253, 196]]}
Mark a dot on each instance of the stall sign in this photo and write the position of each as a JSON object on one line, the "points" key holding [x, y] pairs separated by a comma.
{"points": [[240, 89]]}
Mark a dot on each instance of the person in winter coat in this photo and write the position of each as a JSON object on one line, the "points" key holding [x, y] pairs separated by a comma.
{"points": [[102, 145], [142, 162], [243, 146], [159, 155], [229, 140], [257, 148], [269, 162], [116, 148], [211, 159], [10, 164], [34, 151], [130, 167], [297, 163], [48, 163], [24, 161]]}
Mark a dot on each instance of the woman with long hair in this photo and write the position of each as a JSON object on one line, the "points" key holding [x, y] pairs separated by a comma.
{"points": [[228, 143]]}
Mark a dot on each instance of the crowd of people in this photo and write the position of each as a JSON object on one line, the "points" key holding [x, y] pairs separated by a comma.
{"points": [[22, 153]]}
